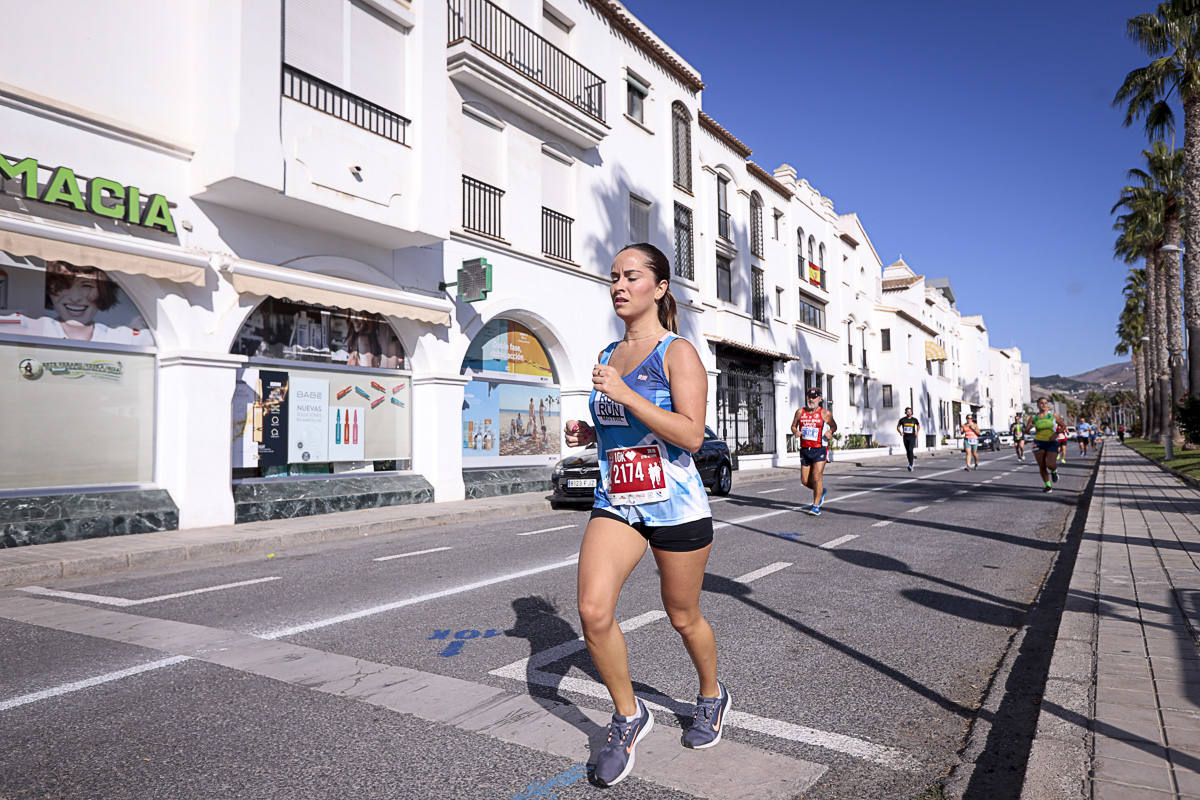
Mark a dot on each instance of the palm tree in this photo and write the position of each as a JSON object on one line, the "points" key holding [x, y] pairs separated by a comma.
{"points": [[1130, 329], [1171, 35], [1155, 208], [1140, 237]]}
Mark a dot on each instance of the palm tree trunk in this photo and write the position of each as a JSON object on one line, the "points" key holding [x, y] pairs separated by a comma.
{"points": [[1158, 341], [1139, 377], [1150, 347], [1191, 233], [1174, 342]]}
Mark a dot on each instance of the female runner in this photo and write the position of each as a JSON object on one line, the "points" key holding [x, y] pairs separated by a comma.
{"points": [[648, 403]]}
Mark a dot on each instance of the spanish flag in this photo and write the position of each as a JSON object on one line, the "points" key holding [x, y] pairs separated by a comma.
{"points": [[814, 274]]}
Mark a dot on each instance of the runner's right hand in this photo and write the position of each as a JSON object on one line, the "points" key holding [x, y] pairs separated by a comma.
{"points": [[579, 433]]}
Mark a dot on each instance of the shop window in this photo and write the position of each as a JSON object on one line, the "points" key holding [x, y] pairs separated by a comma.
{"points": [[511, 407], [324, 392], [81, 412]]}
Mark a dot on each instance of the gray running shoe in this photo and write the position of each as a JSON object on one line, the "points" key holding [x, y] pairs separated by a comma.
{"points": [[708, 720], [615, 760]]}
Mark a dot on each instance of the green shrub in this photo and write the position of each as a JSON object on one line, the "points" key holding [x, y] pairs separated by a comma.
{"points": [[1187, 414]]}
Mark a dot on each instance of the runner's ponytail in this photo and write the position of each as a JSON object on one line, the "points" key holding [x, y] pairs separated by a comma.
{"points": [[667, 313]]}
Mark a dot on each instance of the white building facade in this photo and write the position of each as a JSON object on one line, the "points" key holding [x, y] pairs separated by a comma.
{"points": [[233, 275]]}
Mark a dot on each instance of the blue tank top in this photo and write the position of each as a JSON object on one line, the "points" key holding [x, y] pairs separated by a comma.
{"points": [[616, 428]]}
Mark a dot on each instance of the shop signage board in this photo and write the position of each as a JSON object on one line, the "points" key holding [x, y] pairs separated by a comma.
{"points": [[273, 389], [308, 413], [100, 196]]}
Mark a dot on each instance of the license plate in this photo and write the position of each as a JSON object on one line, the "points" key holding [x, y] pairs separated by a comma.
{"points": [[581, 483]]}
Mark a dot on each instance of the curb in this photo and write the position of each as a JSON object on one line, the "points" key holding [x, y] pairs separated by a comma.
{"points": [[111, 554], [1059, 759]]}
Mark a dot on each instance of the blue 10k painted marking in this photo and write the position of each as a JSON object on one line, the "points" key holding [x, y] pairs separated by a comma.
{"points": [[544, 790], [460, 639]]}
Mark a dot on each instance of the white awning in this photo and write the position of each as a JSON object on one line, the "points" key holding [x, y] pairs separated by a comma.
{"points": [[309, 287], [71, 249], [774, 355]]}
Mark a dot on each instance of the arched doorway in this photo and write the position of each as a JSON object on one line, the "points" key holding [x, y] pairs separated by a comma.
{"points": [[512, 405]]}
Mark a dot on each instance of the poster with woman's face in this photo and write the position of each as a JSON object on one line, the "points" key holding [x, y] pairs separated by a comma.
{"points": [[65, 301]]}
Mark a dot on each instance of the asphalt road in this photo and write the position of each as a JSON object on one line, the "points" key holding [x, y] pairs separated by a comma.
{"points": [[856, 646]]}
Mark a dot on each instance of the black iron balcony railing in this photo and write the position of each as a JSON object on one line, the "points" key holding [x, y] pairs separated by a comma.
{"points": [[324, 96], [481, 207], [723, 225], [759, 296], [556, 234], [524, 50]]}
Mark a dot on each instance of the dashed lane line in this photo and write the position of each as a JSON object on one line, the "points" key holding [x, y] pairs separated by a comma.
{"points": [[763, 572], [773, 491], [883, 523], [122, 602], [413, 553], [916, 509], [546, 530], [840, 540]]}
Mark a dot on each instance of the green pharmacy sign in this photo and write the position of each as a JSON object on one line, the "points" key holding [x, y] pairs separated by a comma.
{"points": [[100, 196]]}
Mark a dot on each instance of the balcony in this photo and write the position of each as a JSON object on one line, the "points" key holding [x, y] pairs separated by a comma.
{"points": [[556, 234], [329, 99], [481, 207], [494, 54], [723, 225]]}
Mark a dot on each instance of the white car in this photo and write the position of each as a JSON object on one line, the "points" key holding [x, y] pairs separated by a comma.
{"points": [[1005, 438]]}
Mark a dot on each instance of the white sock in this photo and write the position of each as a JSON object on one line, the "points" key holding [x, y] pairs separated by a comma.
{"points": [[630, 718]]}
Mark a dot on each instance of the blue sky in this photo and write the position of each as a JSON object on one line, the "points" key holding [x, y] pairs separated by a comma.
{"points": [[977, 139]]}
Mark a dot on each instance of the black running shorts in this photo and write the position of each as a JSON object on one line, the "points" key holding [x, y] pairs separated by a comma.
{"points": [[681, 538]]}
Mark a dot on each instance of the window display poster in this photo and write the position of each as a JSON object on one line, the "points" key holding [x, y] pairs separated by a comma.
{"points": [[529, 420], [64, 301], [75, 417], [294, 331], [347, 433], [308, 411], [480, 419], [506, 346], [246, 411], [273, 389]]}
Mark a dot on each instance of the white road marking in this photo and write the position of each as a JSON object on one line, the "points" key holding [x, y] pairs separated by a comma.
{"points": [[763, 572], [941, 499], [718, 525], [65, 688], [123, 602], [413, 553], [961, 491], [916, 510], [409, 601], [772, 491], [546, 530], [712, 500], [883, 523], [840, 540]]}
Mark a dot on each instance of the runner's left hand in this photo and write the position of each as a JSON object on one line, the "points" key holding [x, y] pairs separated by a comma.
{"points": [[608, 381]]}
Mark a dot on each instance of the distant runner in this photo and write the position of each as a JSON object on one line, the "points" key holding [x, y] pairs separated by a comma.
{"points": [[1083, 435], [1062, 438], [1045, 441], [1121, 433], [811, 424], [909, 427], [1018, 434], [970, 431]]}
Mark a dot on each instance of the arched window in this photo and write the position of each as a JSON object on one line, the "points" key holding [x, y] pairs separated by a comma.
{"points": [[681, 145], [80, 397], [801, 266], [812, 246], [821, 256], [323, 388], [756, 227], [511, 410]]}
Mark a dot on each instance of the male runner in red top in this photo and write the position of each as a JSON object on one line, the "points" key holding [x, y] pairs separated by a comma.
{"points": [[809, 424]]}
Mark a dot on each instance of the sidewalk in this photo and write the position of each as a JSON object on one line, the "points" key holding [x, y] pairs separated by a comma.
{"points": [[1120, 716]]}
